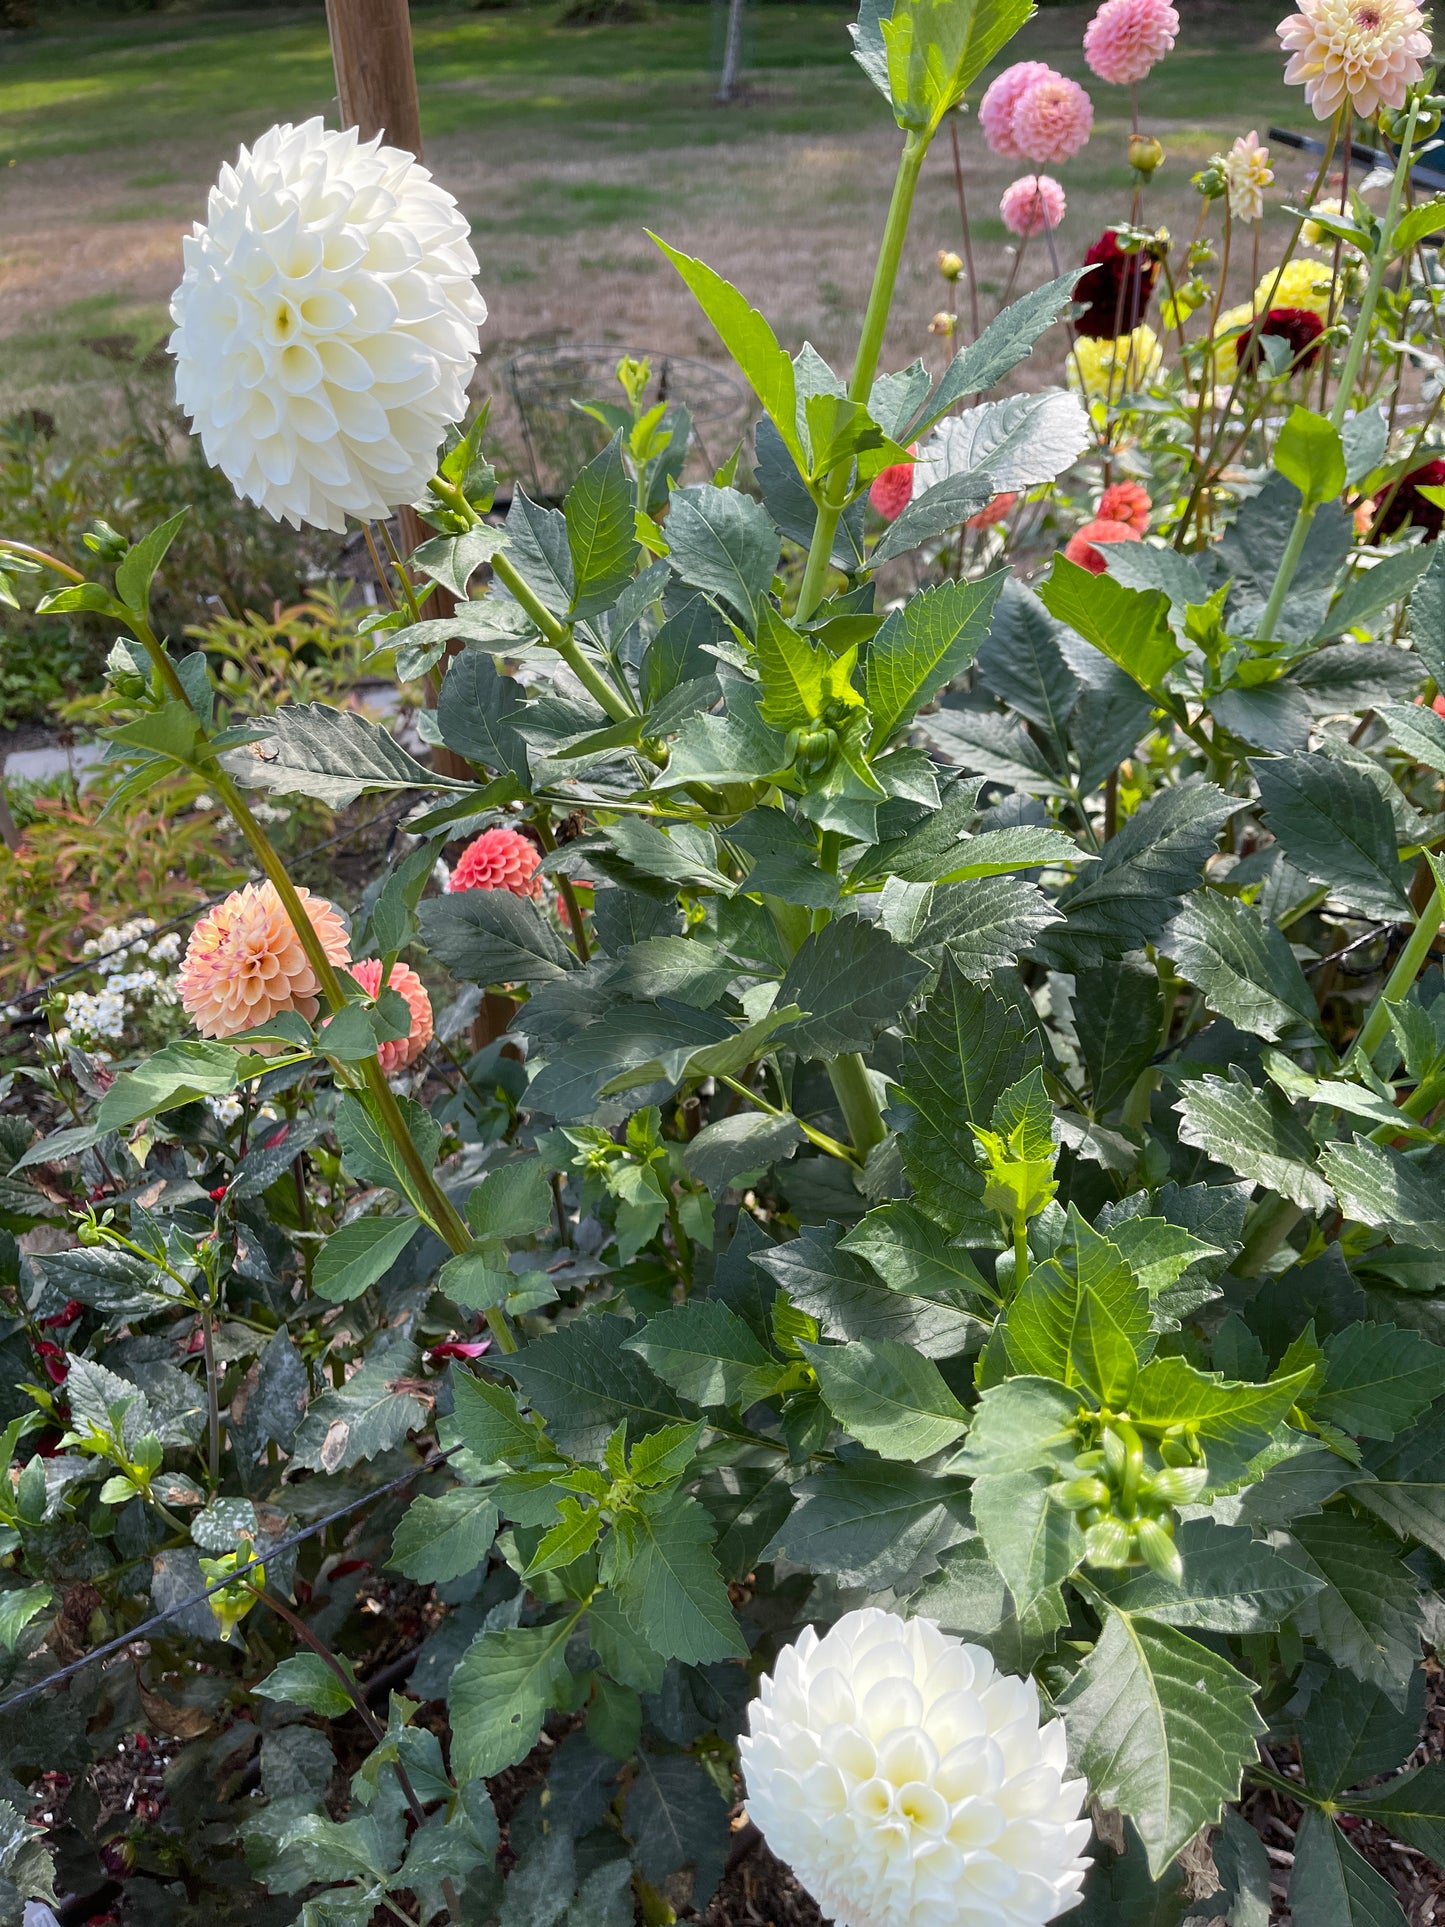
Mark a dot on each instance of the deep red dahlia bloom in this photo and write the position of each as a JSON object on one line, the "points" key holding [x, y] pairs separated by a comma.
{"points": [[1408, 507], [1116, 291], [1300, 327]]}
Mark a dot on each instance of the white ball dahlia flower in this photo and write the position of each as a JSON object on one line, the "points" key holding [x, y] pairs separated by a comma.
{"points": [[907, 1783], [326, 325]]}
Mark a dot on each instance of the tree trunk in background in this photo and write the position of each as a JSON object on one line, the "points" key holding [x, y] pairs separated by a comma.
{"points": [[733, 52], [376, 92]]}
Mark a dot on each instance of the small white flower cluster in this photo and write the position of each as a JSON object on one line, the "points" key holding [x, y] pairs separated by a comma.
{"points": [[137, 986]]}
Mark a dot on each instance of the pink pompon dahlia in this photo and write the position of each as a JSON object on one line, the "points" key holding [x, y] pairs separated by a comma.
{"points": [[1032, 204], [1126, 37], [500, 859], [401, 1051], [1125, 502], [892, 490], [244, 962], [996, 109], [1368, 52], [995, 512], [1085, 544], [1053, 119]]}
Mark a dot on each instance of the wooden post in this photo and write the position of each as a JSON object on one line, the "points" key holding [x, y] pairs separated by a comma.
{"points": [[376, 92]]}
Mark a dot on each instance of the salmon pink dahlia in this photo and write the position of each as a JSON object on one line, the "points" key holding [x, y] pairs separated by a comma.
{"points": [[996, 109], [997, 511], [244, 962], [892, 490], [1085, 545], [1367, 52], [401, 1051], [1053, 119], [499, 859], [1125, 502], [1033, 204], [1126, 37]]}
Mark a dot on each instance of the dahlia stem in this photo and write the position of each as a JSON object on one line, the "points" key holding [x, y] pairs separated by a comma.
{"points": [[437, 1206], [865, 367], [560, 636], [1294, 548]]}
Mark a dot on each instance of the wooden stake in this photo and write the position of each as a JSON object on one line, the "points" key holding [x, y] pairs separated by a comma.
{"points": [[376, 93]]}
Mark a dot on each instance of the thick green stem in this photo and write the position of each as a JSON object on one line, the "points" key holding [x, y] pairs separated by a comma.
{"points": [[1273, 1221], [560, 636], [854, 1091], [1359, 341], [438, 1206], [1408, 966], [865, 367]]}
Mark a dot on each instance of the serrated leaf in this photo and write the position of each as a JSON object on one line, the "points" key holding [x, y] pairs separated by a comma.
{"points": [[1334, 1886], [503, 1687], [492, 1426], [707, 1354], [442, 1539], [1378, 1186], [1335, 827], [1129, 626], [1378, 1380], [513, 1200], [1118, 1014], [722, 542], [492, 936], [1256, 1133], [1350, 1732], [676, 1818], [177, 1073], [731, 1148], [477, 708], [307, 1681], [585, 1382], [1162, 1728], [332, 754], [1081, 1319], [1233, 1583], [1243, 965], [1367, 1618], [871, 1523], [1234, 1419], [841, 1293], [888, 1397], [137, 568], [357, 1254], [910, 1253], [1004, 343], [923, 646], [600, 531], [1308, 452], [668, 1580], [363, 1417], [852, 979]]}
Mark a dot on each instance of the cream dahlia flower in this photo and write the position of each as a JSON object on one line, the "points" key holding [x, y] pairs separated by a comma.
{"points": [[326, 325], [909, 1784], [244, 962], [1247, 173], [1365, 51]]}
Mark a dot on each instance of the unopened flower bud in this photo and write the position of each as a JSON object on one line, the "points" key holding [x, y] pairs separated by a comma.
{"points": [[950, 265], [942, 324], [1077, 1494], [1179, 1485], [1146, 154], [1158, 1550], [1210, 181], [1107, 1543]]}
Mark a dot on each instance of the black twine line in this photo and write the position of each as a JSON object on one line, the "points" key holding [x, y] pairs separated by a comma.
{"points": [[198, 1598]]}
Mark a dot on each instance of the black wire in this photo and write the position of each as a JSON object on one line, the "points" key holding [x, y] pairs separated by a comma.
{"points": [[37, 991], [146, 1626]]}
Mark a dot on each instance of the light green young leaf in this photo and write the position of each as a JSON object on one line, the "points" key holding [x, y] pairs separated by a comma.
{"points": [[800, 678], [888, 1397], [1310, 454], [923, 645], [1130, 626], [938, 48], [308, 1681], [600, 514], [176, 1074], [137, 570]]}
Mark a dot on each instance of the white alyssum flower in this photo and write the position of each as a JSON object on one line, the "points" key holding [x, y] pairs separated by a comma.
{"points": [[326, 325], [908, 1783]]}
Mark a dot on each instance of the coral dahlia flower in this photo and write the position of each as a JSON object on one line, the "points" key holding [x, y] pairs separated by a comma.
{"points": [[1366, 52], [891, 490], [400, 1051], [244, 963], [1085, 544], [1126, 502], [500, 859]]}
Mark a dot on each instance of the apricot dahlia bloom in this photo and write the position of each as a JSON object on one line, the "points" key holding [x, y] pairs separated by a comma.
{"points": [[1368, 52], [244, 962], [500, 859], [401, 1051], [1084, 544], [1126, 502]]}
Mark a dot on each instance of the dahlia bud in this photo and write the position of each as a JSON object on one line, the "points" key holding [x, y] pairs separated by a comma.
{"points": [[908, 1783], [950, 265], [942, 323], [1146, 154], [1210, 181]]}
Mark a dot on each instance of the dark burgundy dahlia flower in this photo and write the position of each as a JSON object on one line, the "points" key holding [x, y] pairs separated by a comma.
{"points": [[1300, 328], [1408, 507], [1116, 290]]}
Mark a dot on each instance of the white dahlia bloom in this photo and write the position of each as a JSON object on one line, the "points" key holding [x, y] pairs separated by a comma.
{"points": [[907, 1783], [326, 325]]}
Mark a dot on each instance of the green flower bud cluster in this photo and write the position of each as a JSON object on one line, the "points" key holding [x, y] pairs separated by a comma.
{"points": [[1125, 1504]]}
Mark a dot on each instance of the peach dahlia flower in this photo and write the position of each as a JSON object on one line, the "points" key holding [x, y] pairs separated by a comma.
{"points": [[244, 962]]}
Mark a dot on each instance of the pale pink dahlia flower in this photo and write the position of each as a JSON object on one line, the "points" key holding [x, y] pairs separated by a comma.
{"points": [[1053, 119], [500, 859], [401, 1051], [244, 962], [996, 109], [1126, 37], [1032, 204], [1368, 52]]}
